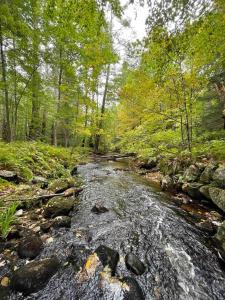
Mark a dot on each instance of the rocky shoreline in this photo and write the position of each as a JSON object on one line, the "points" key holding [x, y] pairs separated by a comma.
{"points": [[197, 187]]}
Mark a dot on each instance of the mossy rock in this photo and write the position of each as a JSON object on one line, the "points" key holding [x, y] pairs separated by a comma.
{"points": [[61, 184], [59, 206], [218, 197]]}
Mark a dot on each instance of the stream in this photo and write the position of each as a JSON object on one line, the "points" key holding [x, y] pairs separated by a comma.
{"points": [[179, 262]]}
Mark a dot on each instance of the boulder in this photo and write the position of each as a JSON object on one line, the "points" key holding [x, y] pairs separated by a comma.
{"points": [[59, 206], [99, 209], [193, 189], [133, 292], [61, 184], [191, 174], [207, 174], [218, 197], [134, 264], [34, 276], [9, 176], [219, 177], [29, 247], [167, 183], [204, 190], [108, 257], [62, 221]]}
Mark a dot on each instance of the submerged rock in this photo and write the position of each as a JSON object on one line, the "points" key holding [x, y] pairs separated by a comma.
{"points": [[30, 246], [34, 276], [108, 257], [99, 209], [133, 290], [218, 197], [58, 206], [134, 264], [62, 221], [219, 177]]}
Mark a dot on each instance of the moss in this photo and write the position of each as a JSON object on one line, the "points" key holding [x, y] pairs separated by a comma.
{"points": [[34, 158]]}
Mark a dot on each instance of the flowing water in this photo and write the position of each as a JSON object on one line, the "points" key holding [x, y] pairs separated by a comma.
{"points": [[141, 220]]}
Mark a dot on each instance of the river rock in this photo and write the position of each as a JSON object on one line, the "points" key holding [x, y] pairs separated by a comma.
{"points": [[207, 174], [34, 276], [30, 246], [134, 264], [219, 177], [218, 197], [74, 171], [45, 227], [9, 176], [108, 257], [191, 174], [62, 221], [61, 184], [193, 189], [204, 190], [207, 226], [220, 235], [134, 291], [59, 206], [99, 209]]}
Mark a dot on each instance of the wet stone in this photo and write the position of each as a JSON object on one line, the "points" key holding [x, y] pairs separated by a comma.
{"points": [[134, 291], [30, 247], [134, 264], [99, 209], [74, 171], [62, 221], [34, 276], [108, 257], [45, 227], [58, 206]]}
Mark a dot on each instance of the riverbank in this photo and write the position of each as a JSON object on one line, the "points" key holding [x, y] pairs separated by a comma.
{"points": [[197, 186]]}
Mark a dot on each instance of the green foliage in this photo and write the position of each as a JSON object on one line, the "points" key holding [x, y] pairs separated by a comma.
{"points": [[32, 158], [6, 219]]}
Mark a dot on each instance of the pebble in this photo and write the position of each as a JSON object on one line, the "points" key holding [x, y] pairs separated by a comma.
{"points": [[5, 281], [19, 213]]}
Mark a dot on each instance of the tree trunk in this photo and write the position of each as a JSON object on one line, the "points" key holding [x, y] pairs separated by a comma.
{"points": [[34, 132], [6, 134], [55, 131], [98, 136]]}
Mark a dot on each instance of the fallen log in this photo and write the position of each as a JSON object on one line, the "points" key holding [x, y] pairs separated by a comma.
{"points": [[46, 197]]}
